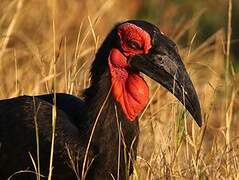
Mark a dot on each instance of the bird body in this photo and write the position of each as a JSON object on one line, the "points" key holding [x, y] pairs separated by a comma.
{"points": [[68, 135], [18, 138], [96, 137]]}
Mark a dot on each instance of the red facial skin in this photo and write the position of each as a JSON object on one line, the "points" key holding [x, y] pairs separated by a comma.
{"points": [[128, 87]]}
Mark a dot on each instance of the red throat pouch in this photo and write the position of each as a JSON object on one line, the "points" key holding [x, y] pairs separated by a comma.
{"points": [[128, 87]]}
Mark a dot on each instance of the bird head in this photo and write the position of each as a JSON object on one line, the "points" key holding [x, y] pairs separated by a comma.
{"points": [[138, 46]]}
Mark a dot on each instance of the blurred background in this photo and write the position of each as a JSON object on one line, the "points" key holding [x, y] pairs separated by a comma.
{"points": [[33, 32]]}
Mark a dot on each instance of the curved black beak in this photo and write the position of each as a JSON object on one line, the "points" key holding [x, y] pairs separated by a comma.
{"points": [[164, 65]]}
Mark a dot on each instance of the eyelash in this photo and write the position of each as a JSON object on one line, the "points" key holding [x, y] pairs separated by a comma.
{"points": [[134, 44]]}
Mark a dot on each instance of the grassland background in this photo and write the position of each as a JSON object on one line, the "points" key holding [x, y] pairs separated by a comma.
{"points": [[171, 144]]}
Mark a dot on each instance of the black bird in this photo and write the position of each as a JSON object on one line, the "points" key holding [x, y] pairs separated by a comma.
{"points": [[115, 98]]}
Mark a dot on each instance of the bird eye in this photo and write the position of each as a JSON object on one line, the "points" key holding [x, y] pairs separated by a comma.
{"points": [[134, 44]]}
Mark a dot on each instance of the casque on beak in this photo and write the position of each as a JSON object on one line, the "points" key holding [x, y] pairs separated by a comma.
{"points": [[164, 65]]}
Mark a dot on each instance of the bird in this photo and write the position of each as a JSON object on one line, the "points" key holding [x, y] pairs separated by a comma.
{"points": [[98, 131]]}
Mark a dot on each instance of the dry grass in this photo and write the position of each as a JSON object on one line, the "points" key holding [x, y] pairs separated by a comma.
{"points": [[171, 144]]}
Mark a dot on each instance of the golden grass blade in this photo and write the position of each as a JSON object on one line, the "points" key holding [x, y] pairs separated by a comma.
{"points": [[54, 98], [11, 28]]}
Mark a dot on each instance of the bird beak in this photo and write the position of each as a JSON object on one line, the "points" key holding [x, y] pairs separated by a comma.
{"points": [[164, 65]]}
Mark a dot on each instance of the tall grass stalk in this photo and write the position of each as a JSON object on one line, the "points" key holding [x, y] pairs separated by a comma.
{"points": [[54, 115], [36, 110], [227, 76]]}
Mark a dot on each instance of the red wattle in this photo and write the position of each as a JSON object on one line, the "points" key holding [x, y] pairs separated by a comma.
{"points": [[129, 89]]}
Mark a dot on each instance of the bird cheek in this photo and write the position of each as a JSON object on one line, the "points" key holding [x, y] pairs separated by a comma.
{"points": [[117, 59]]}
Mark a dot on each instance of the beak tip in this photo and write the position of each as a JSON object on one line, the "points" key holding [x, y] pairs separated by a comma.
{"points": [[198, 119]]}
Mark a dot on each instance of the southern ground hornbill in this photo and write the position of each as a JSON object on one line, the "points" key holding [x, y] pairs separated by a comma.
{"points": [[115, 98]]}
